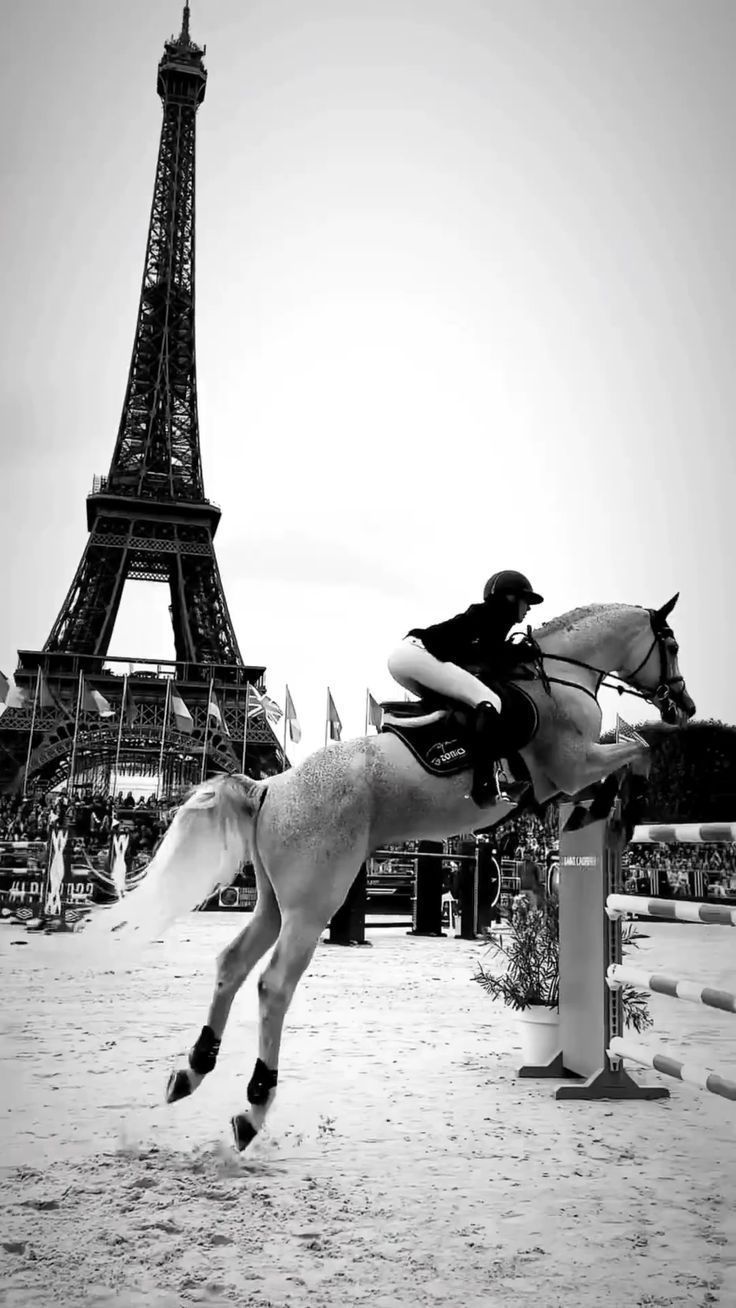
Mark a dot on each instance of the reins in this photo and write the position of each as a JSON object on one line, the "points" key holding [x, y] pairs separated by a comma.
{"points": [[619, 684]]}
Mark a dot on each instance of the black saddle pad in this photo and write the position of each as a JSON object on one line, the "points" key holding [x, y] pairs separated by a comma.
{"points": [[444, 746]]}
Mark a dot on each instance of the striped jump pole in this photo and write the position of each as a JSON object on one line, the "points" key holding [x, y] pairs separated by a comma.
{"points": [[592, 904], [686, 833], [620, 975], [672, 909], [702, 1077]]}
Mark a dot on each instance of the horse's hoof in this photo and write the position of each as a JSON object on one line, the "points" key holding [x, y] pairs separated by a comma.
{"points": [[243, 1132], [179, 1085]]}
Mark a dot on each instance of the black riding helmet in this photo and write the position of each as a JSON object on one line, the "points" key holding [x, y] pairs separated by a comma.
{"points": [[513, 583]]}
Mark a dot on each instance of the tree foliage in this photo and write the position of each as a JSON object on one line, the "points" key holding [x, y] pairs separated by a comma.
{"points": [[693, 776]]}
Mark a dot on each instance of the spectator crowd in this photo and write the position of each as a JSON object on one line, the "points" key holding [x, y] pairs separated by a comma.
{"points": [[674, 862], [90, 816], [93, 816], [528, 837]]}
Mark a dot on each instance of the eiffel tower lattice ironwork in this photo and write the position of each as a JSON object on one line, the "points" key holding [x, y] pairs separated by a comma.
{"points": [[149, 518]]}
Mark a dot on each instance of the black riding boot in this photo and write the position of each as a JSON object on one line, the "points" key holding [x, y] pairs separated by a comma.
{"points": [[485, 788]]}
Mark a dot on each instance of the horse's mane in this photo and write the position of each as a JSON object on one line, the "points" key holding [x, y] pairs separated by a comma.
{"points": [[567, 621]]}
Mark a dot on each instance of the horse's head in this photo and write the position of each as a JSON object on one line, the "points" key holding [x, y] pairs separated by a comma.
{"points": [[658, 674]]}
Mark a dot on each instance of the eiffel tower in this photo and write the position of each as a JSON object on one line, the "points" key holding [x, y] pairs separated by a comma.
{"points": [[148, 519]]}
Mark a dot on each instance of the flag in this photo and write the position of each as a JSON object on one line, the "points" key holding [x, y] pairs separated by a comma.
{"points": [[182, 716], [292, 721], [334, 725], [92, 701], [45, 698], [252, 701], [215, 713], [11, 696], [258, 703], [624, 731], [130, 707], [375, 712]]}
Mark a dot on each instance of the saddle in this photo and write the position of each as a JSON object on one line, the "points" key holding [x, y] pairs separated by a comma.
{"points": [[441, 735]]}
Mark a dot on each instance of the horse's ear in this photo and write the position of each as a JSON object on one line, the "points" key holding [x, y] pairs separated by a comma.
{"points": [[662, 614]]}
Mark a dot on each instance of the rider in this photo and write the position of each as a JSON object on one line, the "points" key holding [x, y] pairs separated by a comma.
{"points": [[435, 658]]}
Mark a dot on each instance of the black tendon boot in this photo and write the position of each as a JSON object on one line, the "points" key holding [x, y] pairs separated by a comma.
{"points": [[485, 789]]}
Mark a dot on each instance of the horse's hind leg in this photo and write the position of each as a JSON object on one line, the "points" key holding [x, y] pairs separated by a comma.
{"points": [[233, 965], [288, 963]]}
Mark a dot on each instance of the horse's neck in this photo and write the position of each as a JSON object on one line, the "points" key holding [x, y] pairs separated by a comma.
{"points": [[604, 638]]}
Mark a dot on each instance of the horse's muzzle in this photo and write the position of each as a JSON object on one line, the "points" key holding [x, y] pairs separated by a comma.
{"points": [[677, 707]]}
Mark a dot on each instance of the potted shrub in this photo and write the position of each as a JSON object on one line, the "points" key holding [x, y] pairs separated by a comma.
{"points": [[530, 980]]}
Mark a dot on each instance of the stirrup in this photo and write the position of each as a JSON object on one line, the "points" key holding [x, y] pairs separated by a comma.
{"points": [[486, 789], [484, 797], [503, 785]]}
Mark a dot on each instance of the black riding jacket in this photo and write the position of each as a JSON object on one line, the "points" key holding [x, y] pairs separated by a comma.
{"points": [[476, 637]]}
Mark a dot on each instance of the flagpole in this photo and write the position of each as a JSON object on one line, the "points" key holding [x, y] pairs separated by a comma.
{"points": [[365, 732], [327, 715], [76, 729], [120, 733], [286, 695], [33, 724], [245, 725], [163, 735], [206, 730]]}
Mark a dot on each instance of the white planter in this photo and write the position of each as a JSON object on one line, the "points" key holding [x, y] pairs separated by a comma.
{"points": [[540, 1035]]}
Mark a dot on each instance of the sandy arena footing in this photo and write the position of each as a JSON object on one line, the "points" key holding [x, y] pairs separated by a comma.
{"points": [[404, 1164]]}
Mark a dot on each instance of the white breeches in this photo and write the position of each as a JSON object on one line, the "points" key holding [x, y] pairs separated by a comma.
{"points": [[416, 670]]}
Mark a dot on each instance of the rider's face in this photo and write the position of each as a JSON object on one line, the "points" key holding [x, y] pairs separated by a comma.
{"points": [[522, 609]]}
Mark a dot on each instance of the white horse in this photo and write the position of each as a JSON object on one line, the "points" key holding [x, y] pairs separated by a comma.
{"points": [[308, 831]]}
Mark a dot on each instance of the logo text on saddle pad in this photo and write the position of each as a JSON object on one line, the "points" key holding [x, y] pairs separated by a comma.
{"points": [[447, 756], [439, 753]]}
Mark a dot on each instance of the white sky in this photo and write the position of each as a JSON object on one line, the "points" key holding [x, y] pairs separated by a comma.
{"points": [[465, 300]]}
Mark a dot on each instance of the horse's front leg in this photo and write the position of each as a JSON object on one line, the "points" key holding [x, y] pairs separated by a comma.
{"points": [[594, 762], [233, 966], [605, 767]]}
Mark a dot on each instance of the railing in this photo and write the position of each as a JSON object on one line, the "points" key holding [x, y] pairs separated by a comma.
{"points": [[102, 485], [58, 663]]}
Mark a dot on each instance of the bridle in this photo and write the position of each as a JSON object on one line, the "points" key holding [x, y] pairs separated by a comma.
{"points": [[664, 642]]}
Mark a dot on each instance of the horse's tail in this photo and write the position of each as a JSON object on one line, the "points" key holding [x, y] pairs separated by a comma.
{"points": [[209, 838]]}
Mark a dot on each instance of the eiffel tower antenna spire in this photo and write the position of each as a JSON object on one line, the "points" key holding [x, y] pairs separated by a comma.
{"points": [[185, 24]]}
